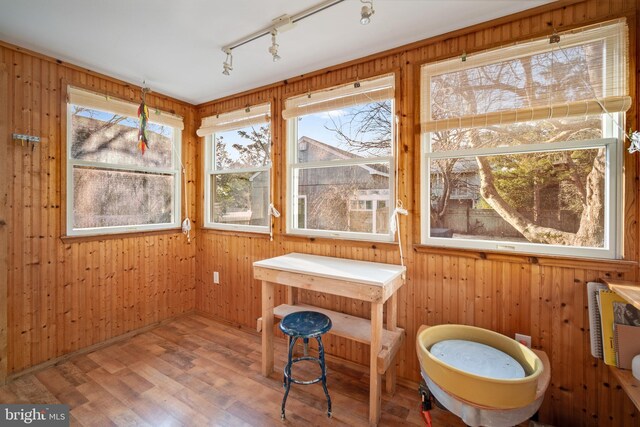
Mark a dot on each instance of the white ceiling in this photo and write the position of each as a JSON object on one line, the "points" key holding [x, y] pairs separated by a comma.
{"points": [[176, 45]]}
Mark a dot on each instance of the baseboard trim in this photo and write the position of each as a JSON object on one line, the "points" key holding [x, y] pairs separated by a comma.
{"points": [[51, 362], [226, 322]]}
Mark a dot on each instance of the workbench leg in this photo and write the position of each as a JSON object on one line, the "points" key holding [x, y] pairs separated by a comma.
{"points": [[375, 380], [392, 322], [267, 328], [292, 299], [292, 295]]}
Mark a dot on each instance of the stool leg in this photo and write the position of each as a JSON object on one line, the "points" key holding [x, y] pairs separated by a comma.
{"points": [[287, 374], [323, 367]]}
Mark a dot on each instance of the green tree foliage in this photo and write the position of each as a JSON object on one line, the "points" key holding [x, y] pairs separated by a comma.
{"points": [[534, 181], [233, 191]]}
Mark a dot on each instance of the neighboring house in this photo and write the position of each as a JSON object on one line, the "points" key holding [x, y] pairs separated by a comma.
{"points": [[347, 198], [466, 187]]}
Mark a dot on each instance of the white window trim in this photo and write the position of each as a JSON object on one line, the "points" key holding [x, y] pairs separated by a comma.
{"points": [[121, 229], [613, 142], [293, 166], [209, 171]]}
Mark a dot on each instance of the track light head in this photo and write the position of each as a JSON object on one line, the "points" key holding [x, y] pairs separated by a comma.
{"points": [[273, 49], [274, 53], [227, 65], [366, 12]]}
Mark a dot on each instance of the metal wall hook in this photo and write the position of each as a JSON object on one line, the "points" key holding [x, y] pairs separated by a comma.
{"points": [[26, 138]]}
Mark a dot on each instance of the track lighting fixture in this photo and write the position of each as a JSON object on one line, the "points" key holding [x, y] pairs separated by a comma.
{"points": [[227, 65], [366, 12], [273, 50], [286, 22]]}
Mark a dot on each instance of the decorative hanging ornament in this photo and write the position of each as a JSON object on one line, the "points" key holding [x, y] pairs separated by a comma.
{"points": [[143, 116], [634, 137]]}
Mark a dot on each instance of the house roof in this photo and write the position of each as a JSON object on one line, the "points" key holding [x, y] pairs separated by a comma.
{"points": [[338, 153]]}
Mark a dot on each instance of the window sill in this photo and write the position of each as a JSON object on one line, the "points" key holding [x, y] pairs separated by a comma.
{"points": [[617, 265], [123, 235], [371, 244], [236, 233]]}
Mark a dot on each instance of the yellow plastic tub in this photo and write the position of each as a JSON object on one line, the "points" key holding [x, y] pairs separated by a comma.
{"points": [[479, 390]]}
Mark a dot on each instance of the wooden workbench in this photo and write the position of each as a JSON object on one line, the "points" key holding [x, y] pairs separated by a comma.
{"points": [[365, 281]]}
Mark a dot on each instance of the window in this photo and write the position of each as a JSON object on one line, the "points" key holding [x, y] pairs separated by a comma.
{"points": [[340, 161], [238, 169], [522, 146], [111, 186]]}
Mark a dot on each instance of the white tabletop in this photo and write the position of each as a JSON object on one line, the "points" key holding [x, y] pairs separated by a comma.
{"points": [[371, 273]]}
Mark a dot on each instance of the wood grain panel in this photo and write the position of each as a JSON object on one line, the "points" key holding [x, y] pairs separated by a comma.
{"points": [[67, 296], [544, 298], [4, 210]]}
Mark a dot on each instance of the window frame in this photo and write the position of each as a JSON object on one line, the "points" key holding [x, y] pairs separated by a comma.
{"points": [[293, 166], [612, 141], [296, 218], [210, 172], [175, 171]]}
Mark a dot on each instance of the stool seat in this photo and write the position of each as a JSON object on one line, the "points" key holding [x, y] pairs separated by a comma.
{"points": [[305, 324]]}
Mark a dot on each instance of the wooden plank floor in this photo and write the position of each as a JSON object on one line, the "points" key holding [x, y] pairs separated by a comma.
{"points": [[194, 371]]}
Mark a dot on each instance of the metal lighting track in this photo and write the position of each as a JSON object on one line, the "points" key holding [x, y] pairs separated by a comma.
{"points": [[282, 23]]}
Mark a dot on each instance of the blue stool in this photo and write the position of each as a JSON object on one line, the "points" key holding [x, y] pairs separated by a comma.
{"points": [[305, 325]]}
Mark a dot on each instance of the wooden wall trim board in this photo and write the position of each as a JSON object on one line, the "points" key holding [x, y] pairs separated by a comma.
{"points": [[618, 265], [62, 155], [5, 140], [244, 234], [101, 237]]}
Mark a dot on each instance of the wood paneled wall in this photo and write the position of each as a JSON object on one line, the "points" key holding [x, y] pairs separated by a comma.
{"points": [[538, 296], [66, 295]]}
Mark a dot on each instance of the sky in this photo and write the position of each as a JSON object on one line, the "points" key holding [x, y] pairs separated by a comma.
{"points": [[314, 126], [129, 121], [311, 125]]}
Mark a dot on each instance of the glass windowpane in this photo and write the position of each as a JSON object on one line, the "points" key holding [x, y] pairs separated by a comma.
{"points": [[240, 198], [248, 147], [331, 194], [355, 132], [551, 198], [103, 137], [108, 198]]}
